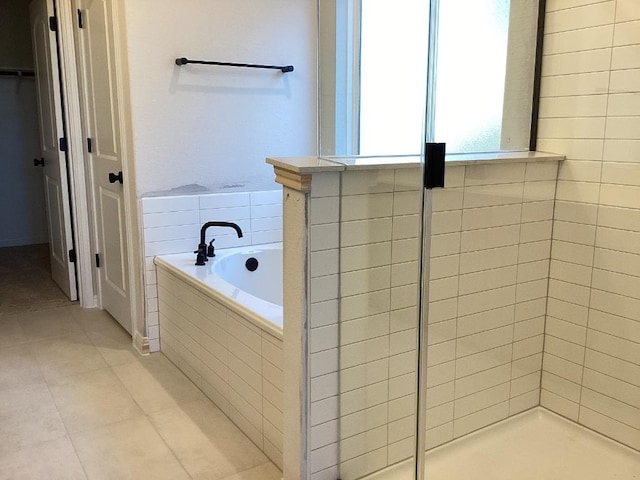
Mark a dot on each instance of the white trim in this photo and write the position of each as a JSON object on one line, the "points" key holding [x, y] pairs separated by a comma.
{"points": [[83, 210], [141, 344], [75, 154], [134, 237]]}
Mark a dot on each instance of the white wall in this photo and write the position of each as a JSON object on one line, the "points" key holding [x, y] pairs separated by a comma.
{"points": [[22, 215], [214, 126]]}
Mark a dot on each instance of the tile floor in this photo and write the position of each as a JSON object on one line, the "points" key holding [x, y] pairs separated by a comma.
{"points": [[77, 402]]}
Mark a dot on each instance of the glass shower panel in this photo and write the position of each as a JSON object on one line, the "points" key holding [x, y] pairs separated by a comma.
{"points": [[484, 74], [471, 74], [380, 228], [488, 276]]}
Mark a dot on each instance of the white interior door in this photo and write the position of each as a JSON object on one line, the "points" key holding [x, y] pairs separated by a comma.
{"points": [[56, 185], [101, 104]]}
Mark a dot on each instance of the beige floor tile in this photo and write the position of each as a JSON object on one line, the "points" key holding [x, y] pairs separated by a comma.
{"points": [[54, 322], [112, 341], [155, 383], [69, 355], [52, 460], [18, 367], [94, 319], [267, 471], [28, 416], [206, 442], [92, 399], [10, 331], [131, 449]]}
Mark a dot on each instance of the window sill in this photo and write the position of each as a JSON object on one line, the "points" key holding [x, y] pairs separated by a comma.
{"points": [[310, 165]]}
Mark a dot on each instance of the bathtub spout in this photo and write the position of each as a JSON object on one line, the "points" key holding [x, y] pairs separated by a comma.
{"points": [[202, 247]]}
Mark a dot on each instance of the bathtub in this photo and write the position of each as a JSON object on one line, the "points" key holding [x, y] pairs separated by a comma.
{"points": [[256, 294], [221, 324]]}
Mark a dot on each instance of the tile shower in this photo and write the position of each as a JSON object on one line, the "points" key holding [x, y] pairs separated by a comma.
{"points": [[491, 243], [506, 331]]}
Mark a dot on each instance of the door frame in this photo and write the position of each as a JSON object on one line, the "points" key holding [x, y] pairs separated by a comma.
{"points": [[83, 209]]}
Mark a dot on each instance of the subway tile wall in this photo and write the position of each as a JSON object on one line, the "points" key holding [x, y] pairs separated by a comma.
{"points": [[491, 240], [590, 111], [489, 275], [324, 334], [379, 248], [235, 363], [172, 225]]}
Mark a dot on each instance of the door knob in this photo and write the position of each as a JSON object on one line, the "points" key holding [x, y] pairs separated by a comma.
{"points": [[113, 178], [37, 162]]}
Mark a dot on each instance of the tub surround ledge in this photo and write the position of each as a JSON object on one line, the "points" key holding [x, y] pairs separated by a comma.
{"points": [[292, 171]]}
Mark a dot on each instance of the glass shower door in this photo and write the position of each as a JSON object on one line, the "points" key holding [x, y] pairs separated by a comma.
{"points": [[426, 277], [373, 64], [487, 234], [378, 317]]}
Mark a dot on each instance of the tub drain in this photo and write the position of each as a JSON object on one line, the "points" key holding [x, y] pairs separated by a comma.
{"points": [[251, 264]]}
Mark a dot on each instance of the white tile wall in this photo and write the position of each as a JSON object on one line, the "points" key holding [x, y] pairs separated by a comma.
{"points": [[591, 113], [378, 287], [495, 299], [489, 276], [237, 365], [324, 332], [172, 225]]}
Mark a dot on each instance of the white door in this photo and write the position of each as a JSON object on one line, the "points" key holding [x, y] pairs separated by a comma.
{"points": [[101, 113], [56, 186]]}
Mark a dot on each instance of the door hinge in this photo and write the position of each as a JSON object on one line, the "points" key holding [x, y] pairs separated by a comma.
{"points": [[63, 144], [72, 256], [434, 165], [89, 145], [80, 22], [53, 24], [97, 260]]}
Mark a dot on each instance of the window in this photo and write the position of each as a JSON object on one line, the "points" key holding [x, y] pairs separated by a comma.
{"points": [[374, 70]]}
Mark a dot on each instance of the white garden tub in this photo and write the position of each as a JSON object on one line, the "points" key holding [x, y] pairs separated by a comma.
{"points": [[255, 294]]}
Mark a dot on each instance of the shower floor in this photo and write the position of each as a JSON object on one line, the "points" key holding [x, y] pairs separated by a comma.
{"points": [[536, 445]]}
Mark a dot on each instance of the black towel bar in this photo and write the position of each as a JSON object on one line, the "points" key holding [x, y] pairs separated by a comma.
{"points": [[284, 69]]}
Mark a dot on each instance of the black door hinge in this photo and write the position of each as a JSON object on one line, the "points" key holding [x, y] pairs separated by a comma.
{"points": [[72, 256], [434, 165], [89, 145], [80, 22], [53, 24], [63, 144], [97, 260]]}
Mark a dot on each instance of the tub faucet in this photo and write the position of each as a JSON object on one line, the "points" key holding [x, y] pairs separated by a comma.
{"points": [[202, 251]]}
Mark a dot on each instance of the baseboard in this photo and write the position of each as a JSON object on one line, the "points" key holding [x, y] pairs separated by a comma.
{"points": [[141, 344]]}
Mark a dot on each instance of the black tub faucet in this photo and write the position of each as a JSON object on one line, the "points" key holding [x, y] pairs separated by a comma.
{"points": [[202, 251]]}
